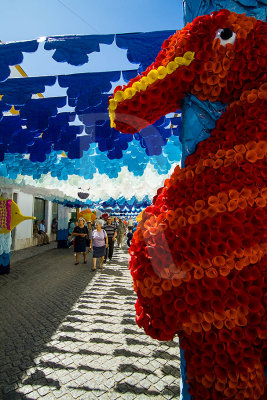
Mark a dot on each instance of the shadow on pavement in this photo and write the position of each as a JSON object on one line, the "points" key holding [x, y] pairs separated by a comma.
{"points": [[69, 333], [34, 300]]}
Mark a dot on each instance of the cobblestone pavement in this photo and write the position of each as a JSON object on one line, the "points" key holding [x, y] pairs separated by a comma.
{"points": [[69, 333], [20, 255]]}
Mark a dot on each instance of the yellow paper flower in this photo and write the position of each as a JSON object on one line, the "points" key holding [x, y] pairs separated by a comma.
{"points": [[171, 67], [144, 83], [119, 96], [179, 60], [162, 72], [112, 104], [129, 93], [189, 55], [152, 76], [137, 86]]}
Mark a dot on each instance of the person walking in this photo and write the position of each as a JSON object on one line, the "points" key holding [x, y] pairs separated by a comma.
{"points": [[121, 231], [111, 233], [80, 233], [36, 234], [115, 222], [130, 223], [42, 231], [129, 237], [99, 244]]}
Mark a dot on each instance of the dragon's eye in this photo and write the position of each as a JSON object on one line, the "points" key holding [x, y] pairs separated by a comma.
{"points": [[226, 35]]}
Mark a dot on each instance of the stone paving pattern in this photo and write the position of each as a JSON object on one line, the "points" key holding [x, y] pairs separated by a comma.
{"points": [[70, 333]]}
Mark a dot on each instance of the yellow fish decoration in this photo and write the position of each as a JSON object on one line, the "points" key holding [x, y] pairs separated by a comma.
{"points": [[10, 215], [87, 214]]}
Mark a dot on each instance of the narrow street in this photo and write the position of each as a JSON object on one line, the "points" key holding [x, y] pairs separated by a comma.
{"points": [[70, 333]]}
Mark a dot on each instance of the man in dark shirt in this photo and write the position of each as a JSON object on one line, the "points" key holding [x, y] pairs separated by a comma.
{"points": [[111, 234]]}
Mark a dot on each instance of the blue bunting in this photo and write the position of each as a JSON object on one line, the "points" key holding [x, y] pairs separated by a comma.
{"points": [[38, 151], [20, 142], [59, 127], [3, 107], [74, 49], [93, 160], [112, 141], [11, 54], [9, 128], [41, 133], [95, 116], [142, 48], [67, 135], [154, 137], [59, 134], [130, 74], [120, 204], [36, 112], [85, 90], [18, 91]]}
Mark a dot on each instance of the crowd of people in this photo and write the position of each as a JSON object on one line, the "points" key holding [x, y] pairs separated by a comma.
{"points": [[100, 237]]}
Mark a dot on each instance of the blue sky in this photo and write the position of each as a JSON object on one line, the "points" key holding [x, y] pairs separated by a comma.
{"points": [[31, 19]]}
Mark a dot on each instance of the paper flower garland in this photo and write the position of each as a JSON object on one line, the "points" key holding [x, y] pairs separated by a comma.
{"points": [[199, 251]]}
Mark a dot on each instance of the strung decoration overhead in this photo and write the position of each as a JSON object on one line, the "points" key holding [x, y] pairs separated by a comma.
{"points": [[55, 132], [142, 48], [18, 91], [198, 254], [11, 54], [42, 139], [83, 195], [84, 90], [112, 151], [36, 113], [75, 49]]}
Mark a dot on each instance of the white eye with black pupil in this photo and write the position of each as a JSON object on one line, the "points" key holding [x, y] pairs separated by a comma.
{"points": [[226, 35]]}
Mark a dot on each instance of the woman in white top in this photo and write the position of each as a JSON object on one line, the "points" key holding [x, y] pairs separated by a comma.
{"points": [[130, 223], [99, 243]]}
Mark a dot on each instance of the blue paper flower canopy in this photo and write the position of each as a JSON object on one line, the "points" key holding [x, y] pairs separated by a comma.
{"points": [[44, 139]]}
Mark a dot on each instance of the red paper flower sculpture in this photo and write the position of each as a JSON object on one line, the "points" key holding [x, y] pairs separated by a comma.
{"points": [[198, 255]]}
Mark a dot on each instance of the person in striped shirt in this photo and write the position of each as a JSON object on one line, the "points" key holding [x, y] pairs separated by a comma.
{"points": [[111, 233]]}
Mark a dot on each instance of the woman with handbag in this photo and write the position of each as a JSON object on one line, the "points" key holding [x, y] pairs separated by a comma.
{"points": [[99, 243]]}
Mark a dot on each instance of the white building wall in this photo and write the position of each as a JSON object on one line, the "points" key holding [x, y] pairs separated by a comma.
{"points": [[48, 216], [25, 203], [63, 217]]}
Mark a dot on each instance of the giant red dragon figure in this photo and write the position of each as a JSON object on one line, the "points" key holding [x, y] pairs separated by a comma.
{"points": [[198, 255]]}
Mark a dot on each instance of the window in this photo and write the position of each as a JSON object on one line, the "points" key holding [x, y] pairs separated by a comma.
{"points": [[39, 208]]}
